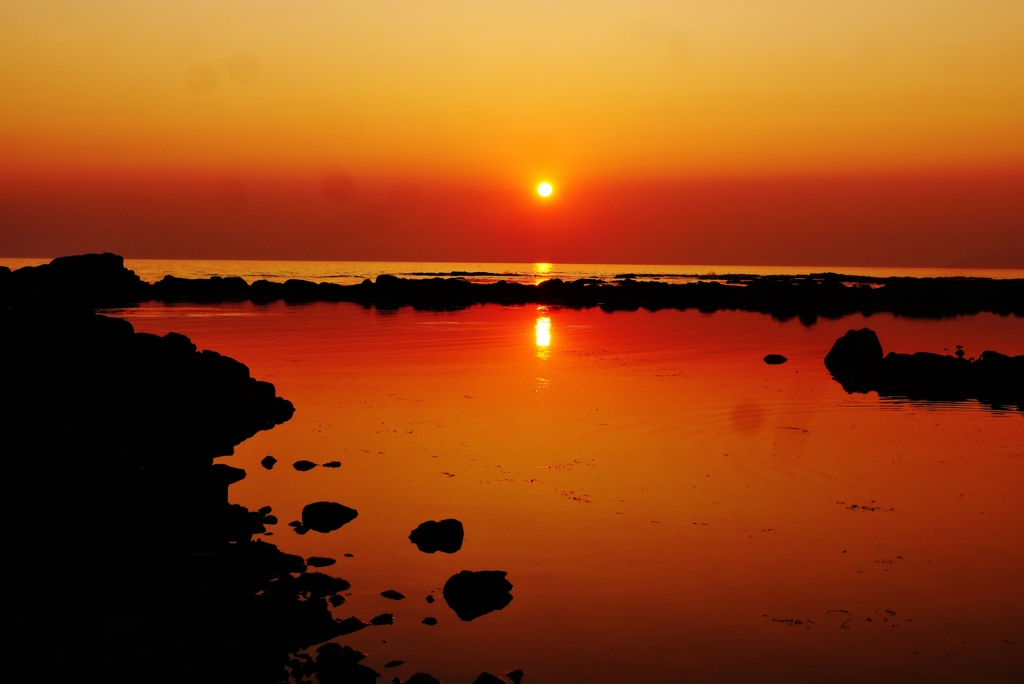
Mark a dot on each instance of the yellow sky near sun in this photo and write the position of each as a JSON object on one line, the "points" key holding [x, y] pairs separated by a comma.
{"points": [[460, 88]]}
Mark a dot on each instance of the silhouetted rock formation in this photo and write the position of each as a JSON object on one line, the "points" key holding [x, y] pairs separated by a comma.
{"points": [[109, 446], [856, 361], [103, 281], [472, 594], [393, 595], [442, 535], [487, 678], [383, 619], [268, 462], [422, 678], [303, 466], [775, 359], [327, 516], [515, 675], [339, 665]]}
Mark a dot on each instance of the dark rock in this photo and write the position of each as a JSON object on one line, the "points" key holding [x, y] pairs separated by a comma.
{"points": [[993, 379], [429, 621], [420, 677], [303, 466], [331, 464], [394, 663], [350, 555], [383, 619], [393, 595], [301, 529], [854, 349], [268, 462], [350, 625], [336, 600], [430, 598], [327, 516], [341, 665], [443, 535], [515, 675], [775, 359], [320, 561], [487, 678], [473, 594]]}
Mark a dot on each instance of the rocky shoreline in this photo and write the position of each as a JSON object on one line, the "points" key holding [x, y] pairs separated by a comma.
{"points": [[101, 280]]}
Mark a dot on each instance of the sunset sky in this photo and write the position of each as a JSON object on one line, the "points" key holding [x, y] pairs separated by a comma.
{"points": [[862, 132]]}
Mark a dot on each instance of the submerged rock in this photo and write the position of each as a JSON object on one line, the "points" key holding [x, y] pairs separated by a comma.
{"points": [[443, 535], [394, 663], [326, 516], [473, 594], [331, 464], [393, 595], [429, 621], [775, 359], [320, 561]]}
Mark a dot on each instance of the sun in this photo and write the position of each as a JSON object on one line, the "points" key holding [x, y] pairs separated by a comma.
{"points": [[545, 189]]}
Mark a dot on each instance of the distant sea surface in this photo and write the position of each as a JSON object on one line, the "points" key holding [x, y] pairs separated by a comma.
{"points": [[351, 272]]}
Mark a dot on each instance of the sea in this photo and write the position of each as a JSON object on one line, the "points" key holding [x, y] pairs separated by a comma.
{"points": [[667, 507]]}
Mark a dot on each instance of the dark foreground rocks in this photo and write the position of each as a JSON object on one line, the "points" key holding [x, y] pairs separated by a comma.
{"points": [[327, 516], [101, 280], [438, 535], [472, 594], [110, 488], [856, 360]]}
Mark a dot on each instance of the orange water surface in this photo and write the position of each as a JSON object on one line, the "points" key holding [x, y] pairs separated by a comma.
{"points": [[667, 506]]}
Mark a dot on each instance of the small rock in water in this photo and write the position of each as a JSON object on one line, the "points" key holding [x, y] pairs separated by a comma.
{"points": [[487, 678], [430, 598], [775, 359], [393, 595], [515, 675], [422, 678], [383, 619], [268, 462], [320, 561], [336, 600], [303, 466], [429, 621], [327, 516], [350, 555], [442, 535], [472, 594], [394, 663], [332, 464], [301, 529]]}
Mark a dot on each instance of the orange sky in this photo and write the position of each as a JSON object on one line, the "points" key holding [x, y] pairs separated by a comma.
{"points": [[672, 131]]}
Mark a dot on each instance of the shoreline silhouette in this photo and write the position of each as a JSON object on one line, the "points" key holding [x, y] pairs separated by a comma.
{"points": [[102, 281]]}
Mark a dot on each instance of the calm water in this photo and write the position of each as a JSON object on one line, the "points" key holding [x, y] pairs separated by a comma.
{"points": [[351, 272], [667, 506]]}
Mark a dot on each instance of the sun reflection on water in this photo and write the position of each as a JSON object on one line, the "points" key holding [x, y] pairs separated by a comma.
{"points": [[542, 334]]}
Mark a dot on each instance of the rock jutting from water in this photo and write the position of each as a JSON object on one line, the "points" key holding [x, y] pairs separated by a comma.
{"points": [[473, 594], [857, 362], [775, 359], [327, 516], [443, 535]]}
